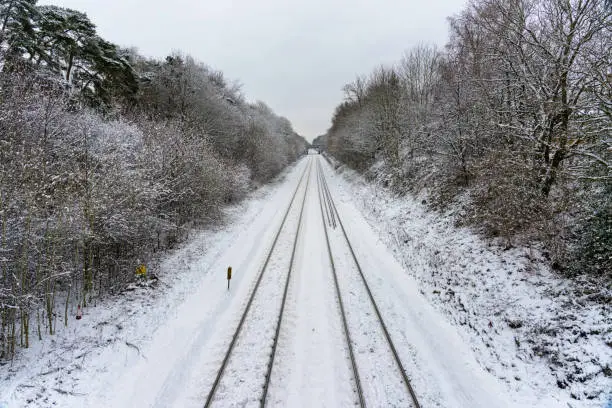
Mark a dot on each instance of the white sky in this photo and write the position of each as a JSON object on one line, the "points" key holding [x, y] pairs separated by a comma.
{"points": [[294, 55]]}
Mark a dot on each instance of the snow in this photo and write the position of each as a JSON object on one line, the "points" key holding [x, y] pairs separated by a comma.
{"points": [[446, 297]]}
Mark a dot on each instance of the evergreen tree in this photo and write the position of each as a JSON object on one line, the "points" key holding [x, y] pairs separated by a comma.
{"points": [[17, 31]]}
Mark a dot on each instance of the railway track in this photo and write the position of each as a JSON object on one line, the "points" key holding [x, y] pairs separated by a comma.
{"points": [[377, 370], [258, 309], [371, 352]]}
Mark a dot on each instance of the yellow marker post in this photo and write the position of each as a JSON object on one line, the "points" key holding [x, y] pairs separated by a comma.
{"points": [[229, 276], [141, 270]]}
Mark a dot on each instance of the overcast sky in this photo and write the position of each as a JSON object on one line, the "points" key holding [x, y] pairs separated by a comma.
{"points": [[295, 55]]}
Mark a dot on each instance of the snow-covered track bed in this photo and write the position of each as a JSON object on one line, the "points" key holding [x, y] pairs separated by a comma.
{"points": [[244, 373], [377, 369]]}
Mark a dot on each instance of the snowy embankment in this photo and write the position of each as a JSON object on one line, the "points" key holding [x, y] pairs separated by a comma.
{"points": [[88, 361], [527, 326]]}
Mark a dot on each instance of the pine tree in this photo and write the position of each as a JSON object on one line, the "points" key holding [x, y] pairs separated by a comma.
{"points": [[17, 31]]}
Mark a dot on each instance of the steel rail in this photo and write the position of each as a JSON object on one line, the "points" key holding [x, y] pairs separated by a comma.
{"points": [[347, 334], [327, 205], [282, 308], [228, 353], [371, 297]]}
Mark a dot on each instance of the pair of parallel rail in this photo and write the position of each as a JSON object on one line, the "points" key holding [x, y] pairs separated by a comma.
{"points": [[331, 219]]}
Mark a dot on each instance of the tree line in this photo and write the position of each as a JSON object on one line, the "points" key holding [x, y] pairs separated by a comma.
{"points": [[107, 157], [509, 123]]}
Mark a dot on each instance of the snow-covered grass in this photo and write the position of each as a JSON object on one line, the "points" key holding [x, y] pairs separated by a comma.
{"points": [[525, 324]]}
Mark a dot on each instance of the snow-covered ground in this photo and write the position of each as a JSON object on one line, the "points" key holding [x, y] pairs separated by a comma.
{"points": [[448, 300]]}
